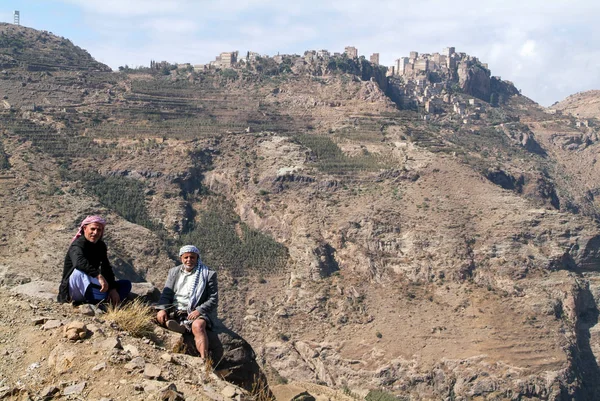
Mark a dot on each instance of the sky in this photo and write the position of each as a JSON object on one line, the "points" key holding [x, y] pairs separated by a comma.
{"points": [[548, 48]]}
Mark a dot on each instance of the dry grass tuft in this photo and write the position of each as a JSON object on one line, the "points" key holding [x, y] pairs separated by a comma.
{"points": [[135, 317]]}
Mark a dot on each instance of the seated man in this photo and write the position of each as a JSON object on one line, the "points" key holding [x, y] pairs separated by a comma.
{"points": [[87, 274], [189, 299]]}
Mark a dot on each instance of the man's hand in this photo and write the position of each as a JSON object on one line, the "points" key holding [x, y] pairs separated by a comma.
{"points": [[103, 283], [194, 315], [161, 316], [114, 297]]}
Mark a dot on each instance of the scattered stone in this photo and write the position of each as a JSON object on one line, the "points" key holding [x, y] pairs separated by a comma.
{"points": [[48, 392], [136, 363], [51, 324], [167, 357], [229, 392], [111, 343], [76, 330], [100, 366], [132, 349], [152, 371], [95, 329], [61, 358], [289, 392], [5, 392], [151, 385], [87, 310], [33, 366], [74, 389], [171, 395], [39, 320]]}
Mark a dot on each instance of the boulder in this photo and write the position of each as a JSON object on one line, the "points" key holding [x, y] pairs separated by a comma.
{"points": [[233, 358], [76, 330], [75, 389], [290, 392], [147, 291], [37, 289]]}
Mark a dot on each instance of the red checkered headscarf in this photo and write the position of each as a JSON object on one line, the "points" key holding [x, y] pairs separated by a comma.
{"points": [[86, 221]]}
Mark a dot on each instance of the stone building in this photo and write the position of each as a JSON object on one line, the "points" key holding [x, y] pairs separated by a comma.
{"points": [[374, 58], [228, 59], [351, 51], [421, 65], [401, 64], [448, 51]]}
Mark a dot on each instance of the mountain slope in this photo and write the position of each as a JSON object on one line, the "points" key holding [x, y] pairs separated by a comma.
{"points": [[581, 105], [358, 245]]}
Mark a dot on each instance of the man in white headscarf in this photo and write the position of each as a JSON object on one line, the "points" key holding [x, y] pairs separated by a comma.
{"points": [[189, 299]]}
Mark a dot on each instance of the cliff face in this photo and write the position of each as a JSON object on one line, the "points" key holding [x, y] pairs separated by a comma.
{"points": [[357, 245], [474, 80]]}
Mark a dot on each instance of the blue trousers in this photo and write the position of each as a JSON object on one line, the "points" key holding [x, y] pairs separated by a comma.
{"points": [[94, 296]]}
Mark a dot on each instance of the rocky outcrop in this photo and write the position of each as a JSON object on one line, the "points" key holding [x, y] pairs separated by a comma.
{"points": [[505, 180], [233, 359], [474, 79]]}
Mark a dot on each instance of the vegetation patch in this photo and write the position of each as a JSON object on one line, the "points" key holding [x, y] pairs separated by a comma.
{"points": [[330, 158], [380, 395], [123, 195], [4, 163], [228, 243]]}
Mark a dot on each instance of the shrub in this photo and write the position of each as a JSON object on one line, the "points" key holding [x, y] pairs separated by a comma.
{"points": [[135, 318]]}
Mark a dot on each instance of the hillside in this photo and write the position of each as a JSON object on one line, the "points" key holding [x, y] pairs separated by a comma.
{"points": [[42, 51], [581, 105], [360, 245]]}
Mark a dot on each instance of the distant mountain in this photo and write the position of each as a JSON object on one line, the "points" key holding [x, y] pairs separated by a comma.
{"points": [[582, 104], [42, 51]]}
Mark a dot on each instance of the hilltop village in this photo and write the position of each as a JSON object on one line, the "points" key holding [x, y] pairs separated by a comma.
{"points": [[428, 83]]}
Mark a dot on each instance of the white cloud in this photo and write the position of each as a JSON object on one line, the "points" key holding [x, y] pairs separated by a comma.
{"points": [[166, 26], [528, 49]]}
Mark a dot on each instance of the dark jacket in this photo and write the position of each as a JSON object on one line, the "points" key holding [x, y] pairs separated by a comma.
{"points": [[88, 257], [207, 304]]}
